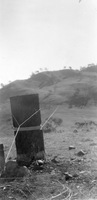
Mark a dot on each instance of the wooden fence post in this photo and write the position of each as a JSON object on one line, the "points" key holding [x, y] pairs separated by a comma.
{"points": [[2, 157], [29, 140]]}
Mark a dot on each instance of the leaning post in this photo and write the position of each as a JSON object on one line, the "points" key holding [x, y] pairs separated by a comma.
{"points": [[29, 140], [2, 158]]}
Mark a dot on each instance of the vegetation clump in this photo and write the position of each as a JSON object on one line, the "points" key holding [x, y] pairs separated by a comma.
{"points": [[52, 124], [83, 97]]}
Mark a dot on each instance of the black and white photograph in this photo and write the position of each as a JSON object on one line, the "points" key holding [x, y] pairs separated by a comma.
{"points": [[48, 99]]}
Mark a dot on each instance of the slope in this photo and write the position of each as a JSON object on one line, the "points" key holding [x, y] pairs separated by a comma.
{"points": [[65, 87]]}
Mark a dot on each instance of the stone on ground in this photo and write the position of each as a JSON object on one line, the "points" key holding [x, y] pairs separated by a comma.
{"points": [[81, 153], [71, 147], [12, 169]]}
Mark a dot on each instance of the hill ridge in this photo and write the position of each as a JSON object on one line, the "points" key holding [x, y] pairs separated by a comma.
{"points": [[56, 86]]}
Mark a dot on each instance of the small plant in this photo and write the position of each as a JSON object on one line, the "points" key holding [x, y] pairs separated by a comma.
{"points": [[57, 121], [52, 124], [48, 128]]}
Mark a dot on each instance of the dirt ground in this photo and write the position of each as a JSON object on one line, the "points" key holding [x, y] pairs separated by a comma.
{"points": [[78, 129]]}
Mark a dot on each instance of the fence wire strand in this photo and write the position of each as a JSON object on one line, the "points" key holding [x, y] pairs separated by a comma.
{"points": [[23, 124], [17, 133]]}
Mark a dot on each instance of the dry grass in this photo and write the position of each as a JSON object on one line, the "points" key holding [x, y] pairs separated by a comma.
{"points": [[50, 183]]}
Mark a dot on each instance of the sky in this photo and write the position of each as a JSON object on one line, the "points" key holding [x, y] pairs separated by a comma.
{"points": [[48, 34]]}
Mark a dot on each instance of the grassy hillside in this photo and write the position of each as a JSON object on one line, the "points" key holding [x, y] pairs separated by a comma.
{"points": [[57, 86], [68, 87], [74, 124]]}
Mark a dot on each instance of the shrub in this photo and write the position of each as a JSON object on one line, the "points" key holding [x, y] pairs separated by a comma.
{"points": [[57, 121], [51, 125]]}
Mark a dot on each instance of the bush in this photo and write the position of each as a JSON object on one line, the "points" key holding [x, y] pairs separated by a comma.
{"points": [[52, 124], [57, 121], [81, 100]]}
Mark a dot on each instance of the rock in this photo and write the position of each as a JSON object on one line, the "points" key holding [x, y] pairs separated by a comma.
{"points": [[71, 147], [6, 188], [75, 175], [22, 171], [38, 165], [12, 169], [82, 172], [40, 162], [68, 176], [55, 160], [12, 198], [81, 153]]}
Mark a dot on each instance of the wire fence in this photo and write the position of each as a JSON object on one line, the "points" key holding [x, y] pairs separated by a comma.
{"points": [[20, 125]]}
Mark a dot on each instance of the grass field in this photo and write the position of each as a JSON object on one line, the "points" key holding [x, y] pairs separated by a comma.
{"points": [[79, 129]]}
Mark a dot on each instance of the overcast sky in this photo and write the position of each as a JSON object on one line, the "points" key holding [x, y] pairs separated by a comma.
{"points": [[46, 33]]}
